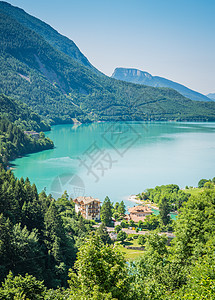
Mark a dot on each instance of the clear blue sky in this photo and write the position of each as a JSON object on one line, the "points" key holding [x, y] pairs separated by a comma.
{"points": [[174, 39]]}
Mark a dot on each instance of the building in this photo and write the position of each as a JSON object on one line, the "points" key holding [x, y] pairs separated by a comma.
{"points": [[89, 207], [33, 134], [139, 213]]}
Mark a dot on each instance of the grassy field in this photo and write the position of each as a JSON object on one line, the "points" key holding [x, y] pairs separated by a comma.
{"points": [[193, 191], [131, 254]]}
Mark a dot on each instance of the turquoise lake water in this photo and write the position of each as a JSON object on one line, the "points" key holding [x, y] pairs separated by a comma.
{"points": [[120, 159]]}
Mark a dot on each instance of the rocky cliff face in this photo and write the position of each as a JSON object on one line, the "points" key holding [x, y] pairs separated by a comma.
{"points": [[140, 77]]}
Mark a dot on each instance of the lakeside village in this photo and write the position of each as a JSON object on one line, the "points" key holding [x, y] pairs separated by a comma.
{"points": [[122, 226], [155, 209]]}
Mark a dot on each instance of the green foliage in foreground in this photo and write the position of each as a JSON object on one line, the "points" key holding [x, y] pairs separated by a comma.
{"points": [[100, 267], [40, 236], [19, 288]]}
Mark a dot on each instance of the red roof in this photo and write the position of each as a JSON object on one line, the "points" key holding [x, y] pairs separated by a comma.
{"points": [[140, 208]]}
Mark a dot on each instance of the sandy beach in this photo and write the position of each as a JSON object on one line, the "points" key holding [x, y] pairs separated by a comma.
{"points": [[133, 198]]}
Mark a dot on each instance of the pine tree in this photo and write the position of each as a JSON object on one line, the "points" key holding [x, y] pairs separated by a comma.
{"points": [[103, 234], [106, 212]]}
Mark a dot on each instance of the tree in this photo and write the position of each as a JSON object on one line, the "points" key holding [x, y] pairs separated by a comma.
{"points": [[124, 224], [42, 135], [201, 279], [148, 275], [117, 228], [141, 239], [99, 267], [208, 185], [106, 212], [122, 236], [152, 222], [60, 247], [140, 224], [181, 197], [116, 206], [7, 250], [121, 208], [27, 251], [202, 182], [195, 226], [19, 287], [165, 209], [103, 234]]}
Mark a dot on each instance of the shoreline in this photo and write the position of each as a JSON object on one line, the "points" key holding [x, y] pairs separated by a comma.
{"points": [[134, 199]]}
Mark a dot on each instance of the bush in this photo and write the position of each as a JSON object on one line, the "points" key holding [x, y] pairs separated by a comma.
{"points": [[117, 228], [141, 239], [121, 236], [202, 182]]}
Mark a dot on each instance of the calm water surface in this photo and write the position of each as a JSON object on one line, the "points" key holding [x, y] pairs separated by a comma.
{"points": [[120, 159]]}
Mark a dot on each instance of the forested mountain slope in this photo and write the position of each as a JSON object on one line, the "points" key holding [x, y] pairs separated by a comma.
{"points": [[21, 115], [60, 89], [14, 142], [54, 38]]}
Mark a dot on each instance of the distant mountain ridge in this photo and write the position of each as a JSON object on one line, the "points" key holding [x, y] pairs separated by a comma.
{"points": [[211, 96], [141, 77], [62, 89]]}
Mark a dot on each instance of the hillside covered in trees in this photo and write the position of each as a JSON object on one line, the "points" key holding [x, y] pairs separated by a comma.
{"points": [[21, 115], [65, 258], [39, 71], [15, 119], [37, 235], [14, 142]]}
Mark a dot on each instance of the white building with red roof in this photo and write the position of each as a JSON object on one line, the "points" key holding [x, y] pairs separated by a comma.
{"points": [[89, 207]]}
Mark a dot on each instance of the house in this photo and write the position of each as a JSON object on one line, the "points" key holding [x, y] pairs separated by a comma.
{"points": [[139, 213], [33, 134], [89, 207]]}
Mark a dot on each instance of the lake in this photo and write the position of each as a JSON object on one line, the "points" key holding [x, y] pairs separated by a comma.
{"points": [[120, 159]]}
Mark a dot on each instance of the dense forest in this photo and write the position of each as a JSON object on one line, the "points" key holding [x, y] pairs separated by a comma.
{"points": [[47, 251], [21, 115], [14, 142], [37, 235], [37, 71], [15, 119]]}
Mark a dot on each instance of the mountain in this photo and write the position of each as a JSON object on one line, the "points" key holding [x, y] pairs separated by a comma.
{"points": [[55, 39], [140, 77], [21, 115], [62, 89], [211, 96]]}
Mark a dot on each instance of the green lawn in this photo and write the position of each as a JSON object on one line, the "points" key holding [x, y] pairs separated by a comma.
{"points": [[131, 254], [193, 191], [132, 243]]}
